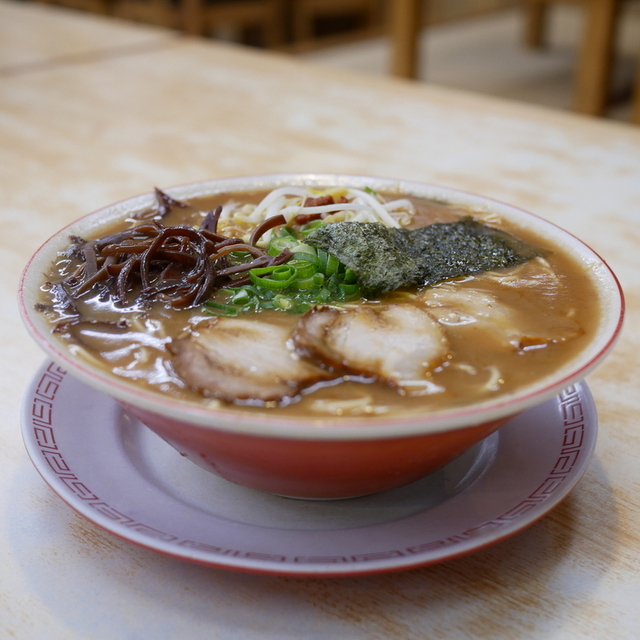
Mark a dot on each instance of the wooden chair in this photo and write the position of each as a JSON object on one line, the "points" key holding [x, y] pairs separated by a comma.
{"points": [[195, 17], [405, 26], [595, 57], [306, 14], [635, 108], [93, 6], [162, 13], [199, 17], [594, 60]]}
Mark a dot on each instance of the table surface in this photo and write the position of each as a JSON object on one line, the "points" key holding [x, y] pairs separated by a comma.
{"points": [[92, 111]]}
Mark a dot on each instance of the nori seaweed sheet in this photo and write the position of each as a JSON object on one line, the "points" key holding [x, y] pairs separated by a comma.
{"points": [[386, 259]]}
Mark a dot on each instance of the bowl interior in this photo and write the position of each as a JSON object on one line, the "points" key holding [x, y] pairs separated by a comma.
{"points": [[610, 304]]}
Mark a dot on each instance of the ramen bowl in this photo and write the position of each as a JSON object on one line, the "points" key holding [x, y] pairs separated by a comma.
{"points": [[325, 457]]}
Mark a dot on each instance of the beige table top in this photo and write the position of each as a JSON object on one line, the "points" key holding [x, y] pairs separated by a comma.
{"points": [[75, 137], [34, 35]]}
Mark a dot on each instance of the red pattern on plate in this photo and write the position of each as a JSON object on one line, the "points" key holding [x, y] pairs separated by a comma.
{"points": [[42, 404]]}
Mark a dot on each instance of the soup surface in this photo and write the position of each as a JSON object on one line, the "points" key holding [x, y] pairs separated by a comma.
{"points": [[273, 322]]}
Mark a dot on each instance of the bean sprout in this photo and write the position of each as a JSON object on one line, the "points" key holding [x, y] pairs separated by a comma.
{"points": [[351, 204]]}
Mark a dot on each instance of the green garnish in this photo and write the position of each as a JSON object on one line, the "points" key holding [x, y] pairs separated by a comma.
{"points": [[309, 278], [273, 277], [384, 259]]}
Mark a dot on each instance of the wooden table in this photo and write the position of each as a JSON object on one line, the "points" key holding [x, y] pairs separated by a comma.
{"points": [[42, 36], [78, 134]]}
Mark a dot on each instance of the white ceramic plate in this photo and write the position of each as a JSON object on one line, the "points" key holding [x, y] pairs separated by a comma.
{"points": [[121, 476]]}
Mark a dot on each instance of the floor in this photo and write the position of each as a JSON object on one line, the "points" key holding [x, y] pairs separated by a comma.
{"points": [[486, 54]]}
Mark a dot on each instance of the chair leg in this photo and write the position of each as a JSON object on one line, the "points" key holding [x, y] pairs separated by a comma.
{"points": [[303, 23], [372, 13], [596, 54], [274, 27], [635, 108], [405, 27], [193, 17], [164, 14], [535, 23]]}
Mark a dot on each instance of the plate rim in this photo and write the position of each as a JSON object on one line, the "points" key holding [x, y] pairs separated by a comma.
{"points": [[34, 421]]}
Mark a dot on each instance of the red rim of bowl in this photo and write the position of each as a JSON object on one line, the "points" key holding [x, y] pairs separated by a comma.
{"points": [[333, 428]]}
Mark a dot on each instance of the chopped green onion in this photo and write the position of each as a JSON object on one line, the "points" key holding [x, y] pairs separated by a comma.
{"points": [[281, 278], [282, 302], [240, 256], [277, 245], [220, 309], [310, 277], [318, 279], [311, 226], [323, 256], [283, 273], [325, 294], [349, 289], [242, 297], [305, 248], [304, 284], [332, 265], [305, 268], [288, 231], [349, 276]]}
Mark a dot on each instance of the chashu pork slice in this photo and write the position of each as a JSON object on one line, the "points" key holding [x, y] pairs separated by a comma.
{"points": [[463, 309], [397, 343], [236, 359]]}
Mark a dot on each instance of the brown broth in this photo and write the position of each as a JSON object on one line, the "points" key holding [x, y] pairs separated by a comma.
{"points": [[473, 361]]}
